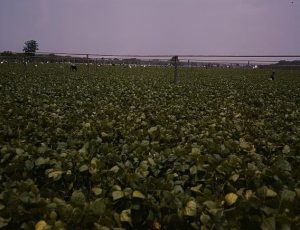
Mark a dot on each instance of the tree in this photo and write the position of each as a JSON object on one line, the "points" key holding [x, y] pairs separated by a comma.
{"points": [[30, 47]]}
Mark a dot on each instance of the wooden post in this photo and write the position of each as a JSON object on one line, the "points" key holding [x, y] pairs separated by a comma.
{"points": [[175, 72], [24, 65], [175, 63], [88, 66], [190, 69]]}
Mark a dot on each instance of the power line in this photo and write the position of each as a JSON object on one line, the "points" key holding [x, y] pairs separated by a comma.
{"points": [[168, 55]]}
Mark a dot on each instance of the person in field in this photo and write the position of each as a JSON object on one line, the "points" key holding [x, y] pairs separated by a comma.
{"points": [[73, 67], [272, 77]]}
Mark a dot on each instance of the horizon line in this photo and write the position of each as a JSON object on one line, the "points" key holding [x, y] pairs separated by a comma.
{"points": [[161, 55]]}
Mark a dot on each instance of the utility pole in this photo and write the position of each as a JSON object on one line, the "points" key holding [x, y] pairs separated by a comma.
{"points": [[87, 60], [174, 62]]}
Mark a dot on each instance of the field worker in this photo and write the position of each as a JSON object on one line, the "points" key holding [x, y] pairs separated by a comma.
{"points": [[272, 77], [73, 67]]}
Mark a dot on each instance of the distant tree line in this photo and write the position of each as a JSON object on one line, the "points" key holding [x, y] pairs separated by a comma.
{"points": [[283, 64], [30, 54]]}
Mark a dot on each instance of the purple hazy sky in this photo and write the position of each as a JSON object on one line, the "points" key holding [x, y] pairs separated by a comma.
{"points": [[248, 27]]}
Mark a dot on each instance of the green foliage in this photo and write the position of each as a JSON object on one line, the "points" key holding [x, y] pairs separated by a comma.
{"points": [[124, 148]]}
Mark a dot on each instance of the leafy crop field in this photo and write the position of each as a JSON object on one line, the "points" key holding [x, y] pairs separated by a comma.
{"points": [[121, 148]]}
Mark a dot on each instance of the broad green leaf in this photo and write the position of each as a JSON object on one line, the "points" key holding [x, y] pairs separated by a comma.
{"points": [[193, 170], [195, 151], [117, 195], [138, 194], [244, 144], [83, 168], [190, 208], [97, 190], [210, 204], [286, 149], [41, 161], [127, 191], [115, 169], [42, 149], [234, 177], [98, 207], [125, 216], [56, 174], [205, 219], [196, 189], [270, 193], [78, 198], [288, 195], [4, 222], [19, 151], [268, 223]]}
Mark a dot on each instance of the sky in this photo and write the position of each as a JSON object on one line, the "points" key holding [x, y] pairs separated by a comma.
{"points": [[153, 27]]}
